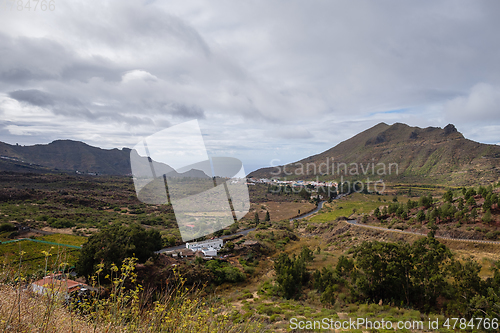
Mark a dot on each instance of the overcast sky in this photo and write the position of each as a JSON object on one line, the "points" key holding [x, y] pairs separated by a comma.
{"points": [[266, 79]]}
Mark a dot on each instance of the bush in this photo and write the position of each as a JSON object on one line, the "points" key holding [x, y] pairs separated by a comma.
{"points": [[249, 270], [115, 243], [7, 227], [492, 235], [60, 223], [224, 272]]}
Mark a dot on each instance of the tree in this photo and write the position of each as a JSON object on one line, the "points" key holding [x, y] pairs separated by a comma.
{"points": [[473, 214], [432, 229], [448, 211], [461, 204], [306, 254], [291, 274], [494, 198], [481, 191], [487, 217], [470, 193], [448, 196], [420, 216], [467, 282], [377, 213], [425, 201], [429, 264], [267, 218], [487, 203], [411, 204], [256, 219], [383, 270], [113, 244], [471, 202]]}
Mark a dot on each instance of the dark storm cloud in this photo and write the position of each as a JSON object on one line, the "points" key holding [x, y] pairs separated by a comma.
{"points": [[33, 97], [171, 108], [84, 70], [23, 75], [27, 59], [186, 111], [67, 106], [318, 72]]}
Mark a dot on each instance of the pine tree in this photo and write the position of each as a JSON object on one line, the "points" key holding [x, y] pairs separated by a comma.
{"points": [[256, 219], [487, 217], [448, 196], [473, 214], [471, 202]]}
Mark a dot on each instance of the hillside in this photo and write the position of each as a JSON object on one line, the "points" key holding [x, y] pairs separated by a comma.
{"points": [[71, 156], [65, 155], [400, 152]]}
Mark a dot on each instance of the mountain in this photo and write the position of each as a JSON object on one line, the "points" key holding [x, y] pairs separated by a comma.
{"points": [[67, 155], [399, 152], [72, 156]]}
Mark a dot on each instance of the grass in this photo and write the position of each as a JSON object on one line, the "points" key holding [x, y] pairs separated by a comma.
{"points": [[356, 203], [64, 239], [38, 255]]}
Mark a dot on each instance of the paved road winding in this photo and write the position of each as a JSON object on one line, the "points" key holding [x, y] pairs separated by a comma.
{"points": [[315, 210], [355, 223], [246, 231]]}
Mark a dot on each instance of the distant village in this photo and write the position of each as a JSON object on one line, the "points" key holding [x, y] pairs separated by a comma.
{"points": [[292, 183]]}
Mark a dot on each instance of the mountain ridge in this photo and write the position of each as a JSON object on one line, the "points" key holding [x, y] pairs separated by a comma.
{"points": [[77, 156], [421, 155]]}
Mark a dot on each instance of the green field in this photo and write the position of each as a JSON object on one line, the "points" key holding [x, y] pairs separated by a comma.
{"points": [[34, 259], [356, 203]]}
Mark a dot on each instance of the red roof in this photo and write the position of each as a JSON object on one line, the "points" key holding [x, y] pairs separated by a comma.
{"points": [[58, 281]]}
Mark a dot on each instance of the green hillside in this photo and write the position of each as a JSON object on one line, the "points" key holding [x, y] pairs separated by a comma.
{"points": [[400, 153]]}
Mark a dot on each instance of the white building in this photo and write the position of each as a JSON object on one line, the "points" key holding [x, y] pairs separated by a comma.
{"points": [[209, 252], [215, 244]]}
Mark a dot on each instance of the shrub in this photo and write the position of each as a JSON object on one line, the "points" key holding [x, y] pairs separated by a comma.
{"points": [[60, 223], [7, 227]]}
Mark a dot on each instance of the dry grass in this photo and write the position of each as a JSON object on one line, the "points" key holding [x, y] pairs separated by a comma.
{"points": [[131, 309], [23, 311], [279, 210]]}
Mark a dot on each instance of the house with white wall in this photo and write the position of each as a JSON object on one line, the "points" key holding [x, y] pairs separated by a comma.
{"points": [[215, 244]]}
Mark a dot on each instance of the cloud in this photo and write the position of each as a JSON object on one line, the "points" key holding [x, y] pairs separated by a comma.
{"points": [[23, 75], [480, 105], [33, 97], [262, 72], [94, 67], [138, 75], [292, 133]]}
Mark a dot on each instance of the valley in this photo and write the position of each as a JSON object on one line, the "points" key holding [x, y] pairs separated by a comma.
{"points": [[359, 254]]}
